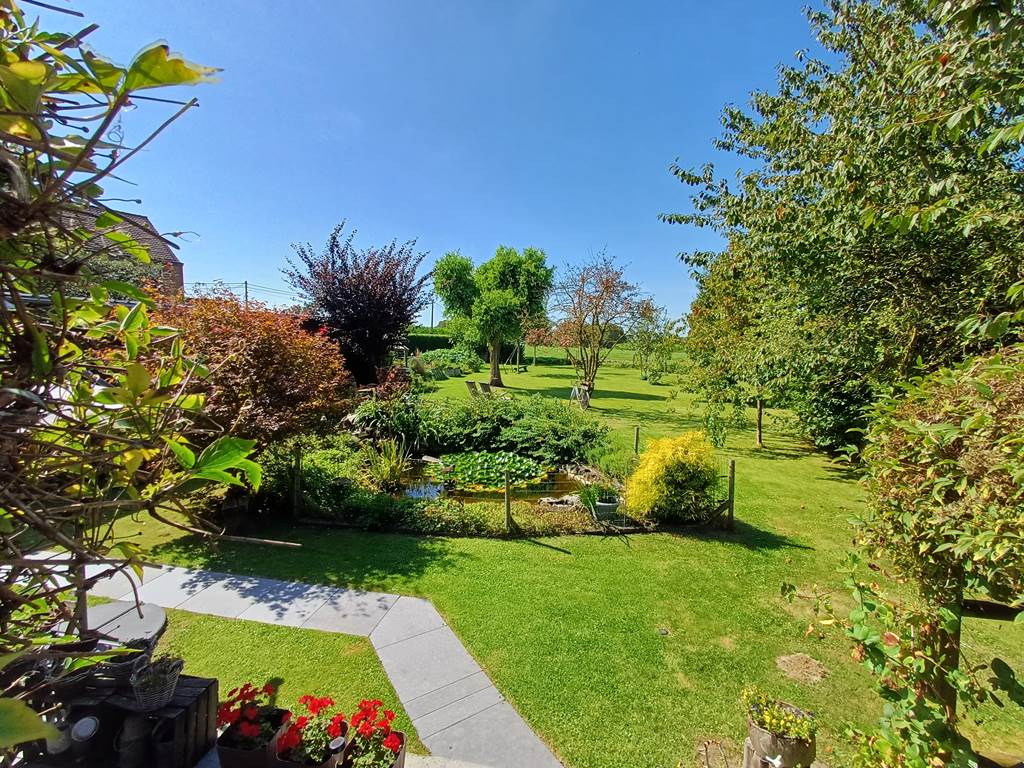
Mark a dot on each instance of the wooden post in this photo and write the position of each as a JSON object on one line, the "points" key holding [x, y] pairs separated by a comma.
{"points": [[636, 439], [296, 480], [732, 494], [508, 507]]}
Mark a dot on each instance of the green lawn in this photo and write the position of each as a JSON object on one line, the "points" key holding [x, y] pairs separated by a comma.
{"points": [[298, 661], [630, 650]]}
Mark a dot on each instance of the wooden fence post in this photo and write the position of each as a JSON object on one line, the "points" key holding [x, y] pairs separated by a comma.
{"points": [[508, 508], [296, 480], [732, 494], [636, 439]]}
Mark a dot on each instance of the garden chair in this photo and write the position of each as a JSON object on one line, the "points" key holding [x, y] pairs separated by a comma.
{"points": [[485, 388], [471, 386]]}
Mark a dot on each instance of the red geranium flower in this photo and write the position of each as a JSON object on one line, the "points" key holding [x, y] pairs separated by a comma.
{"points": [[392, 742]]}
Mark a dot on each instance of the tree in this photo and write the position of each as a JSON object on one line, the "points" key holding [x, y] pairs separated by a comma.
{"points": [[591, 300], [742, 338], [538, 333], [269, 379], [873, 227], [491, 304], [98, 422], [366, 299], [653, 340]]}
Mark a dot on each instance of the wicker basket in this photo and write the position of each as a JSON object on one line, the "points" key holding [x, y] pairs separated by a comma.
{"points": [[154, 695], [121, 667]]}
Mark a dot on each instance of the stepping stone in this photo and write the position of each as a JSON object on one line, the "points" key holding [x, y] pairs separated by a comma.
{"points": [[425, 662], [409, 617], [288, 603], [352, 612], [229, 596], [120, 584], [173, 587], [121, 621], [496, 737], [442, 697], [457, 711]]}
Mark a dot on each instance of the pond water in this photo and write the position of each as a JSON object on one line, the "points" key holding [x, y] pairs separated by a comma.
{"points": [[418, 486]]}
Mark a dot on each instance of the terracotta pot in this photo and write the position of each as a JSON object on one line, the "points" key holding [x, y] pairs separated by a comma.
{"points": [[346, 758], [794, 753], [237, 757]]}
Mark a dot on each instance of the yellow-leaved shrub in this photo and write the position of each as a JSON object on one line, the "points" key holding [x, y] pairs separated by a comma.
{"points": [[675, 480]]}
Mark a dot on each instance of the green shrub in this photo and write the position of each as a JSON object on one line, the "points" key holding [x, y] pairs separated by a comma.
{"points": [[397, 417], [331, 470], [675, 480], [384, 465], [461, 357], [424, 342]]}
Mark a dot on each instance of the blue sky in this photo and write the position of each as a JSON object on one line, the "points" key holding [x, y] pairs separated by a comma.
{"points": [[464, 124]]}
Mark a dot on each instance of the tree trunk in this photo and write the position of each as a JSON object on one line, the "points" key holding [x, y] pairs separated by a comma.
{"points": [[760, 421], [495, 349]]}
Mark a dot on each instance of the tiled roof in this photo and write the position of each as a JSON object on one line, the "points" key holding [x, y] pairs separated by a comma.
{"points": [[141, 229]]}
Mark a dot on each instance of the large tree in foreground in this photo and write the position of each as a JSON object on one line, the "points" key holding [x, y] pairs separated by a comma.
{"points": [[493, 303], [594, 304], [366, 298]]}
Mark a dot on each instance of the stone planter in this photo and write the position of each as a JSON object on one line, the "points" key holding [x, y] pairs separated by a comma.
{"points": [[346, 758], [261, 757], [791, 753], [606, 510]]}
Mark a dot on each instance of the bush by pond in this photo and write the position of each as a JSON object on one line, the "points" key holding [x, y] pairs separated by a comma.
{"points": [[546, 430], [675, 480]]}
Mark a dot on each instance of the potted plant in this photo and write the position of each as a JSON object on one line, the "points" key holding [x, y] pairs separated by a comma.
{"points": [[316, 738], [154, 683], [373, 743], [603, 501], [778, 731], [251, 723]]}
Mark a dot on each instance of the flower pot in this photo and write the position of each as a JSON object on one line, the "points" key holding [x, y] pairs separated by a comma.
{"points": [[231, 756], [790, 752], [274, 760], [605, 510], [279, 762]]}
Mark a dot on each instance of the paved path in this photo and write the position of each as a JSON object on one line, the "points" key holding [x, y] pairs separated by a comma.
{"points": [[457, 711]]}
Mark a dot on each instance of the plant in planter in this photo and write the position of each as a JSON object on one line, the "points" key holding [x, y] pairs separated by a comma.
{"points": [[374, 744], [601, 500], [251, 722], [154, 683], [779, 731], [315, 738]]}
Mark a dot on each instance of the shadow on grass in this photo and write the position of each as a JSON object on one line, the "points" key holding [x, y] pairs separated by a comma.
{"points": [[743, 533], [339, 558]]}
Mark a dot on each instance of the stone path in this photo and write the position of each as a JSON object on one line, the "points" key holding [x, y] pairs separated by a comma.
{"points": [[458, 713]]}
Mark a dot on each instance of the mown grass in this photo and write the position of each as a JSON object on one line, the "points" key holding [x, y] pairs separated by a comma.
{"points": [[632, 650], [298, 661]]}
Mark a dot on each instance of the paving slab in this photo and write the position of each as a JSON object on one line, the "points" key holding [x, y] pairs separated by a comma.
{"points": [[409, 617], [172, 587], [288, 603], [352, 612], [496, 737], [457, 711], [442, 697], [426, 662], [120, 584], [229, 597]]}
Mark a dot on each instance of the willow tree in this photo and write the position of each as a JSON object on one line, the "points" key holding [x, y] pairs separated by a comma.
{"points": [[492, 304]]}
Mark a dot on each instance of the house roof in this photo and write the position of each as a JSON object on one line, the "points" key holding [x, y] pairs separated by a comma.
{"points": [[141, 229]]}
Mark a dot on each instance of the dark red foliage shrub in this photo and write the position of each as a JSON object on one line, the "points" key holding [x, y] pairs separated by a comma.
{"points": [[269, 378]]}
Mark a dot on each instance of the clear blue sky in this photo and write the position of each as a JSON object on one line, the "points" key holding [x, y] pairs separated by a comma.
{"points": [[463, 124]]}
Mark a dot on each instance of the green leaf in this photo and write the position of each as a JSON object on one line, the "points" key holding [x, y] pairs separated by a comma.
{"points": [[156, 66], [19, 723], [127, 289], [253, 472], [134, 319], [218, 476], [224, 453], [184, 454], [136, 378]]}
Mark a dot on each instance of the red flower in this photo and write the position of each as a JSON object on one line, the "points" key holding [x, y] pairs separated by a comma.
{"points": [[334, 728], [288, 740], [249, 730], [366, 729], [250, 712], [268, 690], [392, 743]]}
